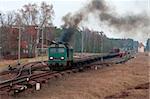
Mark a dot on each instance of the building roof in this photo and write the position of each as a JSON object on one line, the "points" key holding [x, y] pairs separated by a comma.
{"points": [[141, 45]]}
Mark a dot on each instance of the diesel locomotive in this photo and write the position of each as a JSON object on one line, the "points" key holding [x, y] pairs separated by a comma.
{"points": [[60, 55]]}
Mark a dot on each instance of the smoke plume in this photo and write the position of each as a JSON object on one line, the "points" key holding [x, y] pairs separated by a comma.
{"points": [[126, 23], [104, 13], [73, 20], [67, 35]]}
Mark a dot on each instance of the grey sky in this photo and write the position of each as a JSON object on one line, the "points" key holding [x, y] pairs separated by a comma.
{"points": [[62, 7]]}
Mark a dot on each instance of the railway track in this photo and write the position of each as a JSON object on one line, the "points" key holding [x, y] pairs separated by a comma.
{"points": [[17, 68], [24, 81]]}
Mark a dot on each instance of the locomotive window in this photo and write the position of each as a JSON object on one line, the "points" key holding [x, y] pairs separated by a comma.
{"points": [[53, 50], [61, 50], [57, 50]]}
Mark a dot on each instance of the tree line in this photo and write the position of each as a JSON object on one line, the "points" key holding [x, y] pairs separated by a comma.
{"points": [[34, 20]]}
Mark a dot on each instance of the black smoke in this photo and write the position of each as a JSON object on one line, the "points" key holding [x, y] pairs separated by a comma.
{"points": [[67, 35], [130, 23]]}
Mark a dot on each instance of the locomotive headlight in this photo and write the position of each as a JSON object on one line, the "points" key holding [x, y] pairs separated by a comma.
{"points": [[62, 58], [51, 58]]}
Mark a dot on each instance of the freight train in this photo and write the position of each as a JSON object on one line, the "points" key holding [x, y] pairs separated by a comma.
{"points": [[60, 57]]}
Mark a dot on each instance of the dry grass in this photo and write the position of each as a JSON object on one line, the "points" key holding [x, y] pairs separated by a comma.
{"points": [[98, 84], [4, 63]]}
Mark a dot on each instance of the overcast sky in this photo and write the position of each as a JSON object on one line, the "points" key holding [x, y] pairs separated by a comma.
{"points": [[62, 7]]}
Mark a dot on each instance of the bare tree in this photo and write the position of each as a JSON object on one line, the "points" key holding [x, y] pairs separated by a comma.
{"points": [[18, 19], [29, 14], [10, 18], [46, 14]]}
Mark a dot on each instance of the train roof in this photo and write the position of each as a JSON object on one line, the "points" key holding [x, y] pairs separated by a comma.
{"points": [[60, 45], [57, 45]]}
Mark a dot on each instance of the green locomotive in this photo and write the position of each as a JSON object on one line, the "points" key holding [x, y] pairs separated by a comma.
{"points": [[60, 56]]}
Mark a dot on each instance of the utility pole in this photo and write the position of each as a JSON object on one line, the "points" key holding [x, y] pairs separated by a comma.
{"points": [[0, 39], [82, 42], [19, 42], [37, 41], [82, 48], [101, 44], [42, 43]]}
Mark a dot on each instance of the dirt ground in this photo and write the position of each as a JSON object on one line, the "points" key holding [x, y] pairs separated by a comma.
{"points": [[122, 81]]}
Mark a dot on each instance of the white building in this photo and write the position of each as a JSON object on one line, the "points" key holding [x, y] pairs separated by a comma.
{"points": [[141, 48]]}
